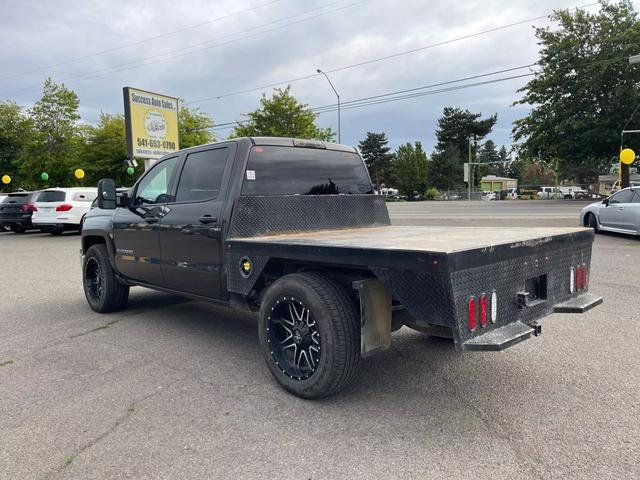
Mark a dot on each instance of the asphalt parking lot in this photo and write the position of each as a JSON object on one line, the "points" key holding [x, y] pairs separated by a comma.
{"points": [[177, 389]]}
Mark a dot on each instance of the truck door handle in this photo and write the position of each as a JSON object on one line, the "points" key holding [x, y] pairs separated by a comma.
{"points": [[206, 219]]}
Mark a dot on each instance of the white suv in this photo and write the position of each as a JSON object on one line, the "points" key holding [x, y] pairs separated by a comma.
{"points": [[60, 209]]}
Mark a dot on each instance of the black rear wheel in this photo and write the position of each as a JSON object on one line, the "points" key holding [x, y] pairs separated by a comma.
{"points": [[103, 291], [310, 334], [591, 222]]}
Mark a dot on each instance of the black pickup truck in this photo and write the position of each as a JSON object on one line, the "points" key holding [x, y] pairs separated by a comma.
{"points": [[291, 228]]}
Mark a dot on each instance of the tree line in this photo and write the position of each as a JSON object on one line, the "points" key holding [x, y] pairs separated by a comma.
{"points": [[582, 92]]}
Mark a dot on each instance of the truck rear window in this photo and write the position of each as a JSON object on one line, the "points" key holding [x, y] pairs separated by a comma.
{"points": [[304, 171], [51, 196]]}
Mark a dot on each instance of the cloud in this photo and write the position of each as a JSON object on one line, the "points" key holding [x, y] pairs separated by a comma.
{"points": [[271, 43]]}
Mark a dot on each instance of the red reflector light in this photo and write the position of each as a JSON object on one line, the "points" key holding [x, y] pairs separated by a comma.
{"points": [[472, 313], [65, 207], [578, 278], [29, 207], [259, 149], [483, 310], [584, 277]]}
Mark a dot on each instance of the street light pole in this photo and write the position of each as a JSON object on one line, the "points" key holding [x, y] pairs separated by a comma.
{"points": [[338, 97]]}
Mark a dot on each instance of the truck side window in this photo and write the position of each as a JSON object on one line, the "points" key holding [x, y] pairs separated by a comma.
{"points": [[154, 185], [202, 175]]}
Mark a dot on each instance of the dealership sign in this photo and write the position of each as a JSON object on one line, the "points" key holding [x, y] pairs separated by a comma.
{"points": [[151, 123]]}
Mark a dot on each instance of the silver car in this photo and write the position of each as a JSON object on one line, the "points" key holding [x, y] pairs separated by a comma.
{"points": [[618, 213]]}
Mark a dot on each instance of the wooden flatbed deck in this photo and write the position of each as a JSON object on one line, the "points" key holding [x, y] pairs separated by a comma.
{"points": [[438, 240]]}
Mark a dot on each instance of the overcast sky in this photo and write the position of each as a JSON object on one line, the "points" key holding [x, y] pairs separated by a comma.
{"points": [[217, 51]]}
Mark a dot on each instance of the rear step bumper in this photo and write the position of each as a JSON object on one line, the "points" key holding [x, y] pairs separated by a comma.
{"points": [[500, 338], [579, 304], [515, 332]]}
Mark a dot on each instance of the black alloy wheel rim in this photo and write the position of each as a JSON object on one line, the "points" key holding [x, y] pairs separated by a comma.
{"points": [[93, 279], [293, 338]]}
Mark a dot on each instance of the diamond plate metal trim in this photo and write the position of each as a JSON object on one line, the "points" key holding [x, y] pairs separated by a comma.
{"points": [[443, 299], [236, 282], [261, 215]]}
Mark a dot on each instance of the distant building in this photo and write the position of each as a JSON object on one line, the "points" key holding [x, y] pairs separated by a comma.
{"points": [[492, 183], [607, 182]]}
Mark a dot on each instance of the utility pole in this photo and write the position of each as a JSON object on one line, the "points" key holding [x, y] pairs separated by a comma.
{"points": [[623, 169], [338, 96]]}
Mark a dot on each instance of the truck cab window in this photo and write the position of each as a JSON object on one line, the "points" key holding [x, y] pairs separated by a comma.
{"points": [[273, 170], [202, 175], [154, 185]]}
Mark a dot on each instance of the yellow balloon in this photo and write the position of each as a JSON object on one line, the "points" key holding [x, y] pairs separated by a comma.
{"points": [[79, 173], [627, 156], [6, 179]]}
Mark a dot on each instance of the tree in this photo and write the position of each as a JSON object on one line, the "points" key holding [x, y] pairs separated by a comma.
{"points": [[194, 127], [445, 169], [375, 151], [410, 168], [584, 90], [105, 151], [56, 143], [456, 128], [488, 153], [495, 160], [282, 116], [15, 131]]}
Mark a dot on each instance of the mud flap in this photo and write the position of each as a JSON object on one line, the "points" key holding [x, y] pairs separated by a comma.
{"points": [[375, 316]]}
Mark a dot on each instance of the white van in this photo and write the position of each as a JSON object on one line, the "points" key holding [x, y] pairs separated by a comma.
{"points": [[548, 193], [60, 209]]}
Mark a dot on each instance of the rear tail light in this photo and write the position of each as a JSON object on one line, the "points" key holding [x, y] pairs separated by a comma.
{"points": [[472, 313], [65, 207], [572, 281], [578, 278], [584, 277], [483, 310], [29, 207], [494, 307]]}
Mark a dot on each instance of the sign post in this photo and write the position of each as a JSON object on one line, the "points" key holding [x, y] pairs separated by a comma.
{"points": [[151, 122]]}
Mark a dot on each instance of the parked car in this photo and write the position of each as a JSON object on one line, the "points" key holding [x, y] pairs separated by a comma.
{"points": [[549, 193], [60, 209], [573, 192], [489, 196], [509, 194], [2, 227], [16, 211], [618, 213]]}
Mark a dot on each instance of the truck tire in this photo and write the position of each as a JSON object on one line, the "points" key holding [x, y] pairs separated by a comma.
{"points": [[309, 330], [102, 289]]}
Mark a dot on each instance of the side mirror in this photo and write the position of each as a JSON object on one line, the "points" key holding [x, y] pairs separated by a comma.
{"points": [[107, 194], [606, 202]]}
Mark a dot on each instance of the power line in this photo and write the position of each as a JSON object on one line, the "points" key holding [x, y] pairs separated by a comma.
{"points": [[387, 57], [143, 62], [139, 42], [415, 92], [367, 101]]}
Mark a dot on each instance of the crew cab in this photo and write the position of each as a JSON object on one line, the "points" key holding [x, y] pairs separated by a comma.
{"points": [[291, 229]]}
